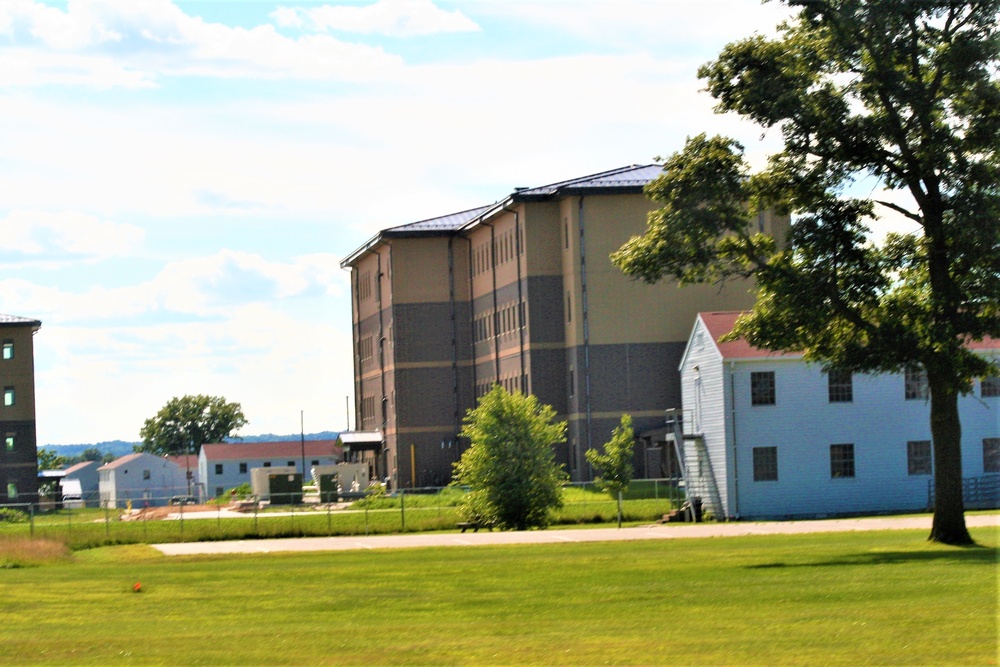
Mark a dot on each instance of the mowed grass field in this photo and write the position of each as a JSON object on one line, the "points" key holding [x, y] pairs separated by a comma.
{"points": [[821, 599]]}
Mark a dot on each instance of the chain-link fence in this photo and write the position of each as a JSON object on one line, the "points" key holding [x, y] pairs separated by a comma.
{"points": [[177, 519]]}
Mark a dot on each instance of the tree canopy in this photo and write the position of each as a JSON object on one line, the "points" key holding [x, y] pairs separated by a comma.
{"points": [[614, 466], [510, 465], [187, 422], [907, 94]]}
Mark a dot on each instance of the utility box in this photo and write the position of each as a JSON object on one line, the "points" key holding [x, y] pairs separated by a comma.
{"points": [[280, 485], [344, 480]]}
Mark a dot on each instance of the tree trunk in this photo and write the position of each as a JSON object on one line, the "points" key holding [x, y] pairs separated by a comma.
{"points": [[946, 432]]}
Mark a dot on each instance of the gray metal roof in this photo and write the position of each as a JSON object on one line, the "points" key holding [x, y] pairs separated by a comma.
{"points": [[14, 320], [634, 177], [630, 179], [444, 222]]}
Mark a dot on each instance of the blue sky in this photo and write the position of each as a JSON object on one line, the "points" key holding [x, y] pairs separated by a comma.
{"points": [[181, 179]]}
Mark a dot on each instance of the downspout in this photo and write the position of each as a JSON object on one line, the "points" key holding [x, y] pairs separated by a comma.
{"points": [[521, 310], [454, 329], [472, 319], [381, 349], [496, 318], [732, 420], [356, 304], [586, 325]]}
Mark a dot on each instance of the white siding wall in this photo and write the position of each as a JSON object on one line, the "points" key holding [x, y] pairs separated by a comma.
{"points": [[232, 477], [878, 422], [704, 396], [127, 482]]}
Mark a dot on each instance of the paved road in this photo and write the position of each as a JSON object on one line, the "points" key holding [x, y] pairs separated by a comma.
{"points": [[652, 532]]}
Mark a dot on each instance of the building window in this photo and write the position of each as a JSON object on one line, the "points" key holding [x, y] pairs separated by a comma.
{"points": [[762, 388], [840, 387], [918, 457], [314, 462], [765, 464], [11, 491], [991, 454], [218, 468], [841, 461], [267, 464], [8, 396], [565, 234], [146, 474], [291, 464], [569, 308], [989, 387], [8, 350], [243, 468], [10, 442], [915, 379], [219, 491]]}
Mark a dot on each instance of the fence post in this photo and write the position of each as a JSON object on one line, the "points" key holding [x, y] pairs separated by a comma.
{"points": [[31, 514], [402, 510], [256, 508], [366, 517], [182, 519], [329, 528], [107, 519]]}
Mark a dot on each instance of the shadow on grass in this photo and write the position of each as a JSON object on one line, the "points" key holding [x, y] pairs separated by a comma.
{"points": [[973, 554]]}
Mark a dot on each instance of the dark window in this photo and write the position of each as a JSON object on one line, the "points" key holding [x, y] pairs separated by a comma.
{"points": [[219, 491], [291, 463], [765, 464], [918, 457], [991, 454], [990, 386], [572, 383], [840, 386], [267, 464], [146, 474], [218, 468], [314, 462], [243, 468], [841, 461], [762, 388], [915, 379], [8, 349]]}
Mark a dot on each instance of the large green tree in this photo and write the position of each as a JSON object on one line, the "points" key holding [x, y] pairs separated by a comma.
{"points": [[510, 465], [187, 422], [614, 467], [900, 91]]}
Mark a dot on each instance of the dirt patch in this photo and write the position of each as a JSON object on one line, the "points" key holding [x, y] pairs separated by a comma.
{"points": [[158, 513]]}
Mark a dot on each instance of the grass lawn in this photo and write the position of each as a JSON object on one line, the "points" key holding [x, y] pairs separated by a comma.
{"points": [[847, 598]]}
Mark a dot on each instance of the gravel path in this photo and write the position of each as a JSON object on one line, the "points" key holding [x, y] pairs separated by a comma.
{"points": [[651, 532]]}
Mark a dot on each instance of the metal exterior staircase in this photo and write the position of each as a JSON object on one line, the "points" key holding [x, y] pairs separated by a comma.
{"points": [[696, 467]]}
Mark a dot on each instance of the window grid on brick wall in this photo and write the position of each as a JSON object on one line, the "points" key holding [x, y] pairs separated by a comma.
{"points": [[840, 386], [765, 464], [918, 457], [842, 461], [762, 390]]}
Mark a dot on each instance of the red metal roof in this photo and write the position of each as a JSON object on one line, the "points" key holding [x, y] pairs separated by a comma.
{"points": [[268, 450], [721, 323]]}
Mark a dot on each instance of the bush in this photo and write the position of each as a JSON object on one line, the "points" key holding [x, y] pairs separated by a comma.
{"points": [[10, 515]]}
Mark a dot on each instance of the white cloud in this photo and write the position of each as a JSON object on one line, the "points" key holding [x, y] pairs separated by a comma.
{"points": [[211, 286], [395, 18], [107, 43], [44, 235]]}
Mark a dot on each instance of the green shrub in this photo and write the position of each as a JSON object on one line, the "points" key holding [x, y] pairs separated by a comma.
{"points": [[10, 515]]}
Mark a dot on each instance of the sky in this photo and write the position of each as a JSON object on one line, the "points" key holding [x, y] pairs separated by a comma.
{"points": [[180, 180]]}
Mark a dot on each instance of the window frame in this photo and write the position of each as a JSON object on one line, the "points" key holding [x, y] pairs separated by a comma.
{"points": [[763, 395], [839, 386], [8, 350], [843, 461], [919, 462], [9, 397], [765, 464], [219, 468], [991, 455], [915, 384], [989, 386]]}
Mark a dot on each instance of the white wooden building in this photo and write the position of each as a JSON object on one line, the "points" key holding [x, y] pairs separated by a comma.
{"points": [[143, 479], [769, 435], [223, 466]]}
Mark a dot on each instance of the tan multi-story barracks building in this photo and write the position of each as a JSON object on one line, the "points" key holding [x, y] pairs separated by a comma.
{"points": [[18, 456], [521, 293]]}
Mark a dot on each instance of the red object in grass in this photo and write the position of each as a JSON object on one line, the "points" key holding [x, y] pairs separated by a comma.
{"points": [[137, 587]]}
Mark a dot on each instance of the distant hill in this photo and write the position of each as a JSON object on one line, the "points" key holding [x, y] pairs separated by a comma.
{"points": [[121, 447]]}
